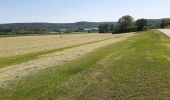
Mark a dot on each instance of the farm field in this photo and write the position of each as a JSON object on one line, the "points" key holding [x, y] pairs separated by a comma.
{"points": [[120, 67], [11, 46], [15, 50], [18, 66], [84, 50]]}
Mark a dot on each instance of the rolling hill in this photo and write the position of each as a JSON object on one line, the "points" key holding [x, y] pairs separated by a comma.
{"points": [[54, 26]]}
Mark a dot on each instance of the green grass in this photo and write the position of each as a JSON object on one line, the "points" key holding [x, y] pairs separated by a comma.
{"points": [[137, 68], [7, 61], [168, 27]]}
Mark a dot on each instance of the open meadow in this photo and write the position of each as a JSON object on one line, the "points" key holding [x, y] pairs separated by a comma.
{"points": [[11, 46], [26, 55], [84, 50], [124, 66]]}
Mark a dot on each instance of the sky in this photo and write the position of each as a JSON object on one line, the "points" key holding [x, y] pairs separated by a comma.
{"points": [[68, 11]]}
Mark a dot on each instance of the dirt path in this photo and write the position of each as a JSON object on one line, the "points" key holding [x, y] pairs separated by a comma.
{"points": [[18, 71], [166, 31]]}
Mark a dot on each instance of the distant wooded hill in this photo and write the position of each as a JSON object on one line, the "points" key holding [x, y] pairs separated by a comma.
{"points": [[153, 23], [55, 26]]}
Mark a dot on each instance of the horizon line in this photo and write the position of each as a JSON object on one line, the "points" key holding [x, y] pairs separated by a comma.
{"points": [[72, 22]]}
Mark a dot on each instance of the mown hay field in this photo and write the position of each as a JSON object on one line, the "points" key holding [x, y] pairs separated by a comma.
{"points": [[135, 68], [17, 64], [11, 46]]}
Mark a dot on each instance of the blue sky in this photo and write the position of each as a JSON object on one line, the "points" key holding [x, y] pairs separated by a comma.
{"points": [[62, 11]]}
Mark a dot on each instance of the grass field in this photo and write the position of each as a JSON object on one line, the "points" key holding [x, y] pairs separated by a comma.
{"points": [[134, 68], [11, 46], [19, 66], [15, 50]]}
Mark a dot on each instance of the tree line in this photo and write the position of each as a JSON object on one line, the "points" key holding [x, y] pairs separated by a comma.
{"points": [[125, 24], [128, 24]]}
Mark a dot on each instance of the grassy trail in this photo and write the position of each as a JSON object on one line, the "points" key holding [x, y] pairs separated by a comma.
{"points": [[137, 68]]}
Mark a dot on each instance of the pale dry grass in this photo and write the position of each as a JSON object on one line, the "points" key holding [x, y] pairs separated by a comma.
{"points": [[31, 67], [11, 46]]}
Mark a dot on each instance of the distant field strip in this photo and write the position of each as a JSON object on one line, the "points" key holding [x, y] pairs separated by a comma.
{"points": [[12, 46], [53, 58]]}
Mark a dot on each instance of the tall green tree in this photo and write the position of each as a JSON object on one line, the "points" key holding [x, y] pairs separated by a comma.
{"points": [[125, 24], [105, 28], [112, 27], [141, 24]]}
